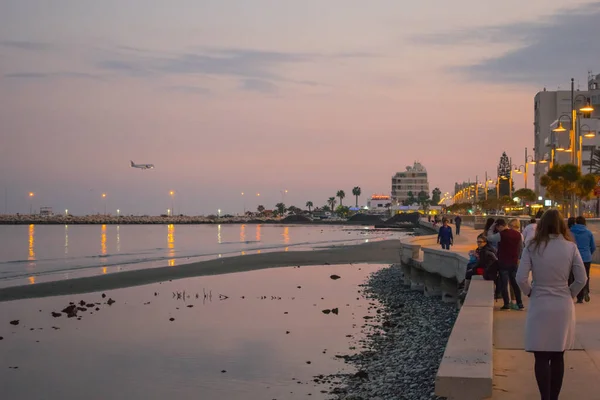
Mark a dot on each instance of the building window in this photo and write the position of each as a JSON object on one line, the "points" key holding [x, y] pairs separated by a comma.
{"points": [[588, 148]]}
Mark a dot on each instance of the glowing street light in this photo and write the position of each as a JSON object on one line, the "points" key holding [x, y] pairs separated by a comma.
{"points": [[172, 194], [31, 203], [104, 197], [118, 213], [66, 213], [219, 212]]}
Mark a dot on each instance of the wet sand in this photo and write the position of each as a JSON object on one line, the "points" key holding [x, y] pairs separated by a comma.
{"points": [[384, 252]]}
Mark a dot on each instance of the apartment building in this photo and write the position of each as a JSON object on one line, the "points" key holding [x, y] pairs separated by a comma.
{"points": [[414, 180], [549, 106]]}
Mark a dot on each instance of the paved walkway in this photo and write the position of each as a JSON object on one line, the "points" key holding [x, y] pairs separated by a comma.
{"points": [[513, 367]]}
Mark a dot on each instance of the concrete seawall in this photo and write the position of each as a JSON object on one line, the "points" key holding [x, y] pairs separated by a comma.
{"points": [[466, 370]]}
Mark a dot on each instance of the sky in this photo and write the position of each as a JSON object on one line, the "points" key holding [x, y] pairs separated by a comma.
{"points": [[262, 96]]}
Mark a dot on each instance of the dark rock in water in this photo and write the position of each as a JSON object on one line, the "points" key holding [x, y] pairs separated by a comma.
{"points": [[223, 371], [326, 311], [110, 302], [334, 277], [15, 322], [55, 328], [1, 338], [171, 319], [97, 309], [285, 312], [299, 287], [82, 303], [103, 295], [69, 309], [56, 314], [82, 308], [309, 362], [156, 294], [89, 305], [287, 332], [335, 311], [32, 329], [190, 306]]}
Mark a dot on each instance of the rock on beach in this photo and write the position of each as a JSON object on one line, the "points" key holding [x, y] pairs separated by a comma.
{"points": [[405, 342]]}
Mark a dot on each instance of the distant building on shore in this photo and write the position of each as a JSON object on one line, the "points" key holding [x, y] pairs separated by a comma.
{"points": [[547, 109], [414, 180], [379, 203]]}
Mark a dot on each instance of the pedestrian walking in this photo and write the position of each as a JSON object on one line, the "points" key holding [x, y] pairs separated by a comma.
{"points": [[529, 231], [550, 322], [457, 223], [445, 237], [510, 245], [586, 245]]}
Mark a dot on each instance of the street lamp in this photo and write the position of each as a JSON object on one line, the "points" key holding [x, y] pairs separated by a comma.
{"points": [[31, 203], [283, 193], [66, 213], [104, 197], [172, 194], [118, 213], [219, 212]]}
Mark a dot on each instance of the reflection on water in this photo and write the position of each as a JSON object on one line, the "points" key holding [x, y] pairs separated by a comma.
{"points": [[31, 279], [66, 239], [286, 235], [219, 233], [258, 233], [103, 270], [242, 233], [103, 241], [31, 256], [118, 240], [246, 337], [171, 244]]}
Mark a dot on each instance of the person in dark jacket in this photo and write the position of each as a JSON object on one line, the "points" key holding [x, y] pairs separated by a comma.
{"points": [[486, 263], [510, 245], [457, 222], [445, 237], [587, 246]]}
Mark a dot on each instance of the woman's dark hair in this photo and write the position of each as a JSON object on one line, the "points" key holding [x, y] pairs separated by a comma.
{"points": [[488, 225], [570, 222], [482, 237], [551, 223], [580, 220]]}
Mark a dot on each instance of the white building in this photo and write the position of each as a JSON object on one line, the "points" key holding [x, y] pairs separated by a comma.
{"points": [[414, 180], [379, 202], [549, 106]]}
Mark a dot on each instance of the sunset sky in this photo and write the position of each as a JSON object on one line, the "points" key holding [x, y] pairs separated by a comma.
{"points": [[231, 96]]}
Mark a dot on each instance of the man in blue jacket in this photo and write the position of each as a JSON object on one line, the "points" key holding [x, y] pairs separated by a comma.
{"points": [[586, 245], [445, 237]]}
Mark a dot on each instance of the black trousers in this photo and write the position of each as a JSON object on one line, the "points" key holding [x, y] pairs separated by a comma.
{"points": [[549, 373], [508, 275], [586, 288], [458, 229]]}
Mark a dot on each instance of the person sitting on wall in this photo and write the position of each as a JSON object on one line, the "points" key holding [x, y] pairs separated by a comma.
{"points": [[445, 237], [485, 266]]}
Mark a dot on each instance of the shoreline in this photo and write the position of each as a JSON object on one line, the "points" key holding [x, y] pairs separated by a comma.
{"points": [[384, 252]]}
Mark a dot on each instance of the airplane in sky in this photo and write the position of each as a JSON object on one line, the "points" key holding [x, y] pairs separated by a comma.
{"points": [[142, 166]]}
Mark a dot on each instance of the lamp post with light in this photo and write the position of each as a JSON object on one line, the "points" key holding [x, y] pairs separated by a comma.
{"points": [[172, 194], [104, 199], [31, 203]]}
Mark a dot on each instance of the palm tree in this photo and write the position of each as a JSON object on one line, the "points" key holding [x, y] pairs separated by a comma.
{"points": [[260, 209], [356, 192], [280, 208], [331, 203], [309, 205], [341, 195]]}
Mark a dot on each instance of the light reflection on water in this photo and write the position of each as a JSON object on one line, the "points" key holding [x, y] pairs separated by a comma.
{"points": [[184, 358], [48, 257]]}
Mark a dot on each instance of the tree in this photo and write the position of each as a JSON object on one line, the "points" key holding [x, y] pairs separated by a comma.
{"points": [[525, 194], [325, 208], [294, 210], [561, 182], [280, 208], [436, 196], [341, 195], [342, 211], [585, 185], [423, 199], [331, 203], [504, 167], [410, 200], [260, 209], [356, 193], [309, 205]]}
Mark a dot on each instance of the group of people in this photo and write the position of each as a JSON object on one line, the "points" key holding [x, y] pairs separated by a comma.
{"points": [[549, 263]]}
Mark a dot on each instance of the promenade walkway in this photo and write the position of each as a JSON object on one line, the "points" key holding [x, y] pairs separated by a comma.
{"points": [[514, 378]]}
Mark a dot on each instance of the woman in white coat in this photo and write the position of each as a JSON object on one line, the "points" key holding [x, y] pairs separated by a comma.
{"points": [[550, 323]]}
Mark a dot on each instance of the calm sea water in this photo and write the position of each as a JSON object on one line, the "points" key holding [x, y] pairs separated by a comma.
{"points": [[267, 340], [38, 253]]}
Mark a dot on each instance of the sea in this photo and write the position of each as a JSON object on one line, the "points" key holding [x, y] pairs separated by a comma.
{"points": [[31, 254]]}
